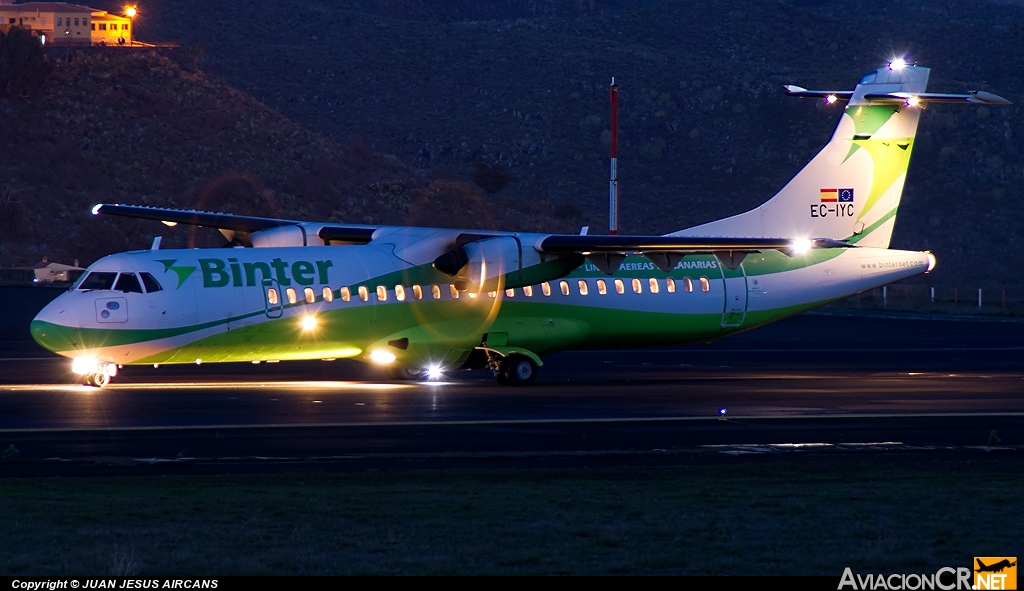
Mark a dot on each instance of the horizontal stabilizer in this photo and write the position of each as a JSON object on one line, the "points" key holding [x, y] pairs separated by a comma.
{"points": [[978, 97], [801, 92], [973, 97]]}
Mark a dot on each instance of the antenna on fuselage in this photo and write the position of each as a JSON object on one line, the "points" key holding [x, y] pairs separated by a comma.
{"points": [[156, 243], [613, 181]]}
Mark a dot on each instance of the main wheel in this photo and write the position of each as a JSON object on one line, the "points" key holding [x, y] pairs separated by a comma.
{"points": [[98, 380], [405, 373], [520, 369]]}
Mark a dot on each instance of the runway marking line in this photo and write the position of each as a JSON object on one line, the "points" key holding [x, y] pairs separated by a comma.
{"points": [[491, 422]]}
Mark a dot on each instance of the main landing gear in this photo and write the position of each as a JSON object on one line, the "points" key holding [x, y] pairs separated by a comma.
{"points": [[514, 369]]}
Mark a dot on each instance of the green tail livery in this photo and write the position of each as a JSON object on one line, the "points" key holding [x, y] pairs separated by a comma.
{"points": [[425, 300]]}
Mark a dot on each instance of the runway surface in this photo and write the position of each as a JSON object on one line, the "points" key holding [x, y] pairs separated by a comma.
{"points": [[811, 384]]}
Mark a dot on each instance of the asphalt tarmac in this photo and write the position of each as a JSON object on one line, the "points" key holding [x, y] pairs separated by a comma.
{"points": [[811, 385]]}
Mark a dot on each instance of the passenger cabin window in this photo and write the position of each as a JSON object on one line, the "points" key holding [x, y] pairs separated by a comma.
{"points": [[346, 294], [620, 288], [687, 284], [670, 284], [96, 280], [150, 282], [272, 297], [453, 291], [602, 287], [400, 293], [435, 292], [364, 294], [417, 292], [637, 286], [705, 285], [328, 294], [545, 288], [584, 289], [310, 295], [509, 293], [128, 283], [655, 288], [563, 286], [292, 297], [382, 293], [528, 291]]}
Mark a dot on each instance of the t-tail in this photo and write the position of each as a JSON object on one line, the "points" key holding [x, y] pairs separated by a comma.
{"points": [[851, 190]]}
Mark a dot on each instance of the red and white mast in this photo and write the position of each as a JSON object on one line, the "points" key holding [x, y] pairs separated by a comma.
{"points": [[613, 182]]}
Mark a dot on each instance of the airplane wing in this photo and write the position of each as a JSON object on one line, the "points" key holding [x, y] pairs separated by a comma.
{"points": [[606, 252], [230, 224]]}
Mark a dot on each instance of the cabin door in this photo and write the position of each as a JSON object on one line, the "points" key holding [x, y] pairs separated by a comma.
{"points": [[735, 295]]}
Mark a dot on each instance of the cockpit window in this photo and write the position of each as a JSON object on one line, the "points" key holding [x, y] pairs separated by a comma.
{"points": [[150, 282], [128, 283], [98, 280]]}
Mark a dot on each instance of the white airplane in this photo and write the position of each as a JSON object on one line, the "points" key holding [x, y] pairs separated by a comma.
{"points": [[424, 300]]}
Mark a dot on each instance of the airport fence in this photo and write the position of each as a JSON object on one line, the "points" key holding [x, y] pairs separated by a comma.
{"points": [[937, 300]]}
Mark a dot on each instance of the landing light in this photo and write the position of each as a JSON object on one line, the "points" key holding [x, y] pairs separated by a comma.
{"points": [[382, 357], [434, 372], [802, 245], [308, 323], [85, 365], [897, 64], [831, 99], [913, 101]]}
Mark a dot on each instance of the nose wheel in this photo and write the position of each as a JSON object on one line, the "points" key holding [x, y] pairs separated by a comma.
{"points": [[97, 380]]}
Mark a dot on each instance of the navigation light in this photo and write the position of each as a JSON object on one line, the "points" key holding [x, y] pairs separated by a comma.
{"points": [[721, 411], [831, 99], [913, 101]]}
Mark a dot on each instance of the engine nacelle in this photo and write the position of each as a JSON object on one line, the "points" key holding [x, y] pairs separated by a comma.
{"points": [[290, 235], [502, 263]]}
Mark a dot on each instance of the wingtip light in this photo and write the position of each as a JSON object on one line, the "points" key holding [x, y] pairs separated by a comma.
{"points": [[897, 64]]}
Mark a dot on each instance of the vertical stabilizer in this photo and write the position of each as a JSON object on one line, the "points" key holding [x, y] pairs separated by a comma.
{"points": [[852, 188]]}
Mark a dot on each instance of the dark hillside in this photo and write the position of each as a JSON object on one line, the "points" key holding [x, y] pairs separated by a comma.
{"points": [[116, 126], [705, 132]]}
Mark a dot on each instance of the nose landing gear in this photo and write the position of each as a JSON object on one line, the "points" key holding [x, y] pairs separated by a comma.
{"points": [[93, 373]]}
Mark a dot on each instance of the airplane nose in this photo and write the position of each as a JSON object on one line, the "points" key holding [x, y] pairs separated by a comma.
{"points": [[49, 332]]}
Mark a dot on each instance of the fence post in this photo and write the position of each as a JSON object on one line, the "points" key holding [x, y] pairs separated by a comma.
{"points": [[979, 298], [933, 295], [885, 296]]}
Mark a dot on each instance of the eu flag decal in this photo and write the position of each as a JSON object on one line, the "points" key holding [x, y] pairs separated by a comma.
{"points": [[845, 195]]}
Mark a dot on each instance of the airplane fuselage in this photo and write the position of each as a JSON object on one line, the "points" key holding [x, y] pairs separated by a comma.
{"points": [[268, 304]]}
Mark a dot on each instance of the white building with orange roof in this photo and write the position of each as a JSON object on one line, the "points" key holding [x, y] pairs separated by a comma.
{"points": [[63, 23]]}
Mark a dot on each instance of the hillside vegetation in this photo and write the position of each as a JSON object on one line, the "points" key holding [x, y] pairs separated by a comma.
{"points": [[449, 86]]}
